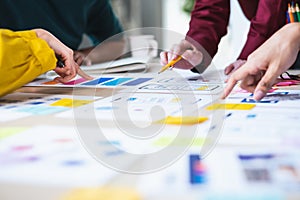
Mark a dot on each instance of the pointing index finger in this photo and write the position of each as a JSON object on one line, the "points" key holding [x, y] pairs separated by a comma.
{"points": [[238, 75], [83, 74]]}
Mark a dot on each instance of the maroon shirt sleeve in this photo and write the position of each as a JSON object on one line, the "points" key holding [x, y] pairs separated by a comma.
{"points": [[249, 8], [209, 23], [270, 17]]}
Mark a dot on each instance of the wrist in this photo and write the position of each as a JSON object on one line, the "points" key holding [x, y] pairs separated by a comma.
{"points": [[205, 62], [41, 33], [294, 33]]}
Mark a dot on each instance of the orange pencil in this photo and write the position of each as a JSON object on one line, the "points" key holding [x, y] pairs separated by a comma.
{"points": [[170, 64], [291, 14], [294, 12]]}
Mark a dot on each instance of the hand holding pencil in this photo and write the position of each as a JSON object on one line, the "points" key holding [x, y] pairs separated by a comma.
{"points": [[170, 64], [66, 67], [188, 56]]}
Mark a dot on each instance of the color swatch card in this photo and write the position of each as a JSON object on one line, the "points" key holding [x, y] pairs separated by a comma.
{"points": [[46, 155], [18, 105], [279, 168], [140, 83], [97, 82]]}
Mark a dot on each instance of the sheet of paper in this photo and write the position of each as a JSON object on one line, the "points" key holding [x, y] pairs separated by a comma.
{"points": [[19, 105], [47, 155], [117, 63], [6, 132], [142, 108]]}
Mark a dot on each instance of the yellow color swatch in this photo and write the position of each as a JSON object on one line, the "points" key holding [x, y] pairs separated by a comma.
{"points": [[71, 103], [230, 106], [183, 141], [103, 194], [203, 88], [188, 120], [176, 100], [10, 131]]}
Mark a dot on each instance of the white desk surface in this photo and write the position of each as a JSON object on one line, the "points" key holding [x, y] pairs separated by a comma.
{"points": [[16, 191]]}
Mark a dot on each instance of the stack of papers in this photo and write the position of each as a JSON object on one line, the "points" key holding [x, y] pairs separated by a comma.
{"points": [[130, 64]]}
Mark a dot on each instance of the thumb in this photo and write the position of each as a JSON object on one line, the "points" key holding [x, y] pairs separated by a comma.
{"points": [[264, 85]]}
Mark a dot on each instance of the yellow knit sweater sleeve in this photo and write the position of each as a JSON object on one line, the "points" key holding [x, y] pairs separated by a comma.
{"points": [[23, 57]]}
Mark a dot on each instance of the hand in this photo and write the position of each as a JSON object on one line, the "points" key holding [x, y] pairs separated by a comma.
{"points": [[106, 51], [264, 65], [81, 58], [234, 66], [190, 54], [71, 68]]}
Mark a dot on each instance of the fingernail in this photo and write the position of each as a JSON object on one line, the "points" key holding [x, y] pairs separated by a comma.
{"points": [[258, 95], [173, 56], [223, 96], [226, 72]]}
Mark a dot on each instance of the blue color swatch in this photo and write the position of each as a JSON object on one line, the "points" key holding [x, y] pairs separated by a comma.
{"points": [[41, 110], [97, 81], [116, 82], [137, 81]]}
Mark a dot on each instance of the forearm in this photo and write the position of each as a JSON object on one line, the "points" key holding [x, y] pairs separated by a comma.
{"points": [[297, 33], [288, 38], [106, 51], [70, 69], [53, 42], [43, 34], [18, 67], [209, 23], [269, 18]]}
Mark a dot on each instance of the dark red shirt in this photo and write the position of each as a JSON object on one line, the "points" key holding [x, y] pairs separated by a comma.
{"points": [[210, 19]]}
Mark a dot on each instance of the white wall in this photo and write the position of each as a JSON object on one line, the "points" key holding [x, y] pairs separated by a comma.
{"points": [[175, 19]]}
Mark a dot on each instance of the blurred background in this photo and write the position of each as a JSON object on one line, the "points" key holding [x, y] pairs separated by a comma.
{"points": [[174, 15]]}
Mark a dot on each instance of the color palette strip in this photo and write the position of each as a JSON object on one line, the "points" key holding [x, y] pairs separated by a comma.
{"points": [[99, 82]]}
